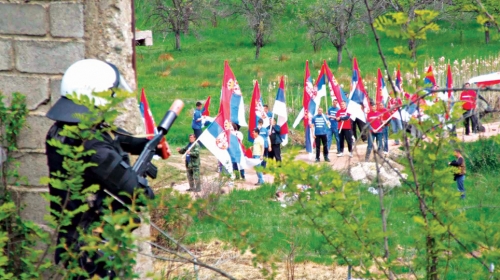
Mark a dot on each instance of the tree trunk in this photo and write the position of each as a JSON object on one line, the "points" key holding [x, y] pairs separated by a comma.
{"points": [[258, 42], [339, 55], [257, 51], [214, 19], [412, 46], [177, 40]]}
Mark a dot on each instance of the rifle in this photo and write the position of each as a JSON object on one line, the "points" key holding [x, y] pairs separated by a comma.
{"points": [[143, 166]]}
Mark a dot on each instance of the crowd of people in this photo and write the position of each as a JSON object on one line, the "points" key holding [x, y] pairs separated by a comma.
{"points": [[336, 126]]}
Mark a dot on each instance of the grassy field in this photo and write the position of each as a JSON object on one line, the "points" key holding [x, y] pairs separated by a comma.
{"points": [[277, 231], [196, 72]]}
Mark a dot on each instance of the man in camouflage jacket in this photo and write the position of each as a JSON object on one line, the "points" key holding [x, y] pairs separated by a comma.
{"points": [[192, 163]]}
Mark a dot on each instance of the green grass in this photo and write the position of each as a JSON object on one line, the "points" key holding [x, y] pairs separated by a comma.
{"points": [[202, 59], [279, 229]]}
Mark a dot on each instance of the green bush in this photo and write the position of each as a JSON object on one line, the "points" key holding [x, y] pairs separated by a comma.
{"points": [[482, 155]]}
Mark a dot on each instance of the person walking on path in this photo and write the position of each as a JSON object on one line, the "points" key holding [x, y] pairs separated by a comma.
{"points": [[334, 130], [459, 176], [192, 164], [238, 172], [344, 127], [374, 121], [264, 133], [276, 141], [469, 97], [394, 104], [258, 153], [319, 125]]}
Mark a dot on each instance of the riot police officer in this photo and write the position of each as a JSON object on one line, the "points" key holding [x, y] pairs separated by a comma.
{"points": [[112, 170]]}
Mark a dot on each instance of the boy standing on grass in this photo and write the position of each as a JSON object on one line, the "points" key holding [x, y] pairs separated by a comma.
{"points": [[192, 164], [258, 152], [460, 174]]}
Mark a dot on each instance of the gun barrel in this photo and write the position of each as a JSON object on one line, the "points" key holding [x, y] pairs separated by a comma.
{"points": [[170, 116]]}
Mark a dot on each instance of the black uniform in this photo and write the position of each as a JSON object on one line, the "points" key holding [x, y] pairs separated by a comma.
{"points": [[112, 172]]}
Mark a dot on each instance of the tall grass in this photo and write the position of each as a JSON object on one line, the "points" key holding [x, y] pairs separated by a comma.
{"points": [[196, 72]]}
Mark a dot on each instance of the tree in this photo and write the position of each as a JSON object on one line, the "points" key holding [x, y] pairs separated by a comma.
{"points": [[176, 16], [484, 11], [260, 15], [334, 21], [412, 28]]}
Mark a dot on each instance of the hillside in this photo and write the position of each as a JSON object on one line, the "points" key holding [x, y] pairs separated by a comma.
{"points": [[196, 72]]}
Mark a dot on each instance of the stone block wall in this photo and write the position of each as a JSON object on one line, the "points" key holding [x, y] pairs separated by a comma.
{"points": [[39, 40]]}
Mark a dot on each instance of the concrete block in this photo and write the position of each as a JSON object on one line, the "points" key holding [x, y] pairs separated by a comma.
{"points": [[144, 38], [66, 20], [55, 91], [34, 206], [6, 54], [47, 57], [32, 136], [32, 166], [35, 89], [23, 19]]}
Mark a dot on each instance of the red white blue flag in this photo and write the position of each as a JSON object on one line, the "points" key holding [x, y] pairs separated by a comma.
{"points": [[382, 96], [279, 109], [256, 112], [232, 106], [147, 116], [149, 123], [399, 81], [336, 91], [358, 95], [205, 111]]}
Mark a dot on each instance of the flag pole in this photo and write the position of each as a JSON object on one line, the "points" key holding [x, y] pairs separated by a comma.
{"points": [[198, 139]]}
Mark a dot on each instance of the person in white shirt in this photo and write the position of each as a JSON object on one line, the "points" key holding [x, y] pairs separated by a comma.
{"points": [[241, 174], [258, 152]]}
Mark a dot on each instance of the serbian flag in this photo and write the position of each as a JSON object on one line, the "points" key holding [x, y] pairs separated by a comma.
{"points": [[205, 111], [232, 107], [312, 95], [449, 85], [429, 77], [215, 139], [279, 109], [256, 112], [358, 95], [382, 95], [147, 116], [336, 91], [308, 108], [399, 81], [149, 123]]}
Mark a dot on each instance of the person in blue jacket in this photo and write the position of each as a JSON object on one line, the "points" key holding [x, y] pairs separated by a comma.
{"points": [[334, 130], [197, 122], [320, 125]]}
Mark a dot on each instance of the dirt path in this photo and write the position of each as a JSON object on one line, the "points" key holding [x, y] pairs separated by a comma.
{"points": [[209, 163]]}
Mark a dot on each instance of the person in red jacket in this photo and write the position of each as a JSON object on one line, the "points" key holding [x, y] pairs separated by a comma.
{"points": [[469, 98], [374, 121], [345, 132]]}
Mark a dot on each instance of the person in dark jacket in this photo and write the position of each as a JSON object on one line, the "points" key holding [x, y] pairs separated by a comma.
{"points": [[276, 141], [192, 163], [459, 176], [112, 170]]}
